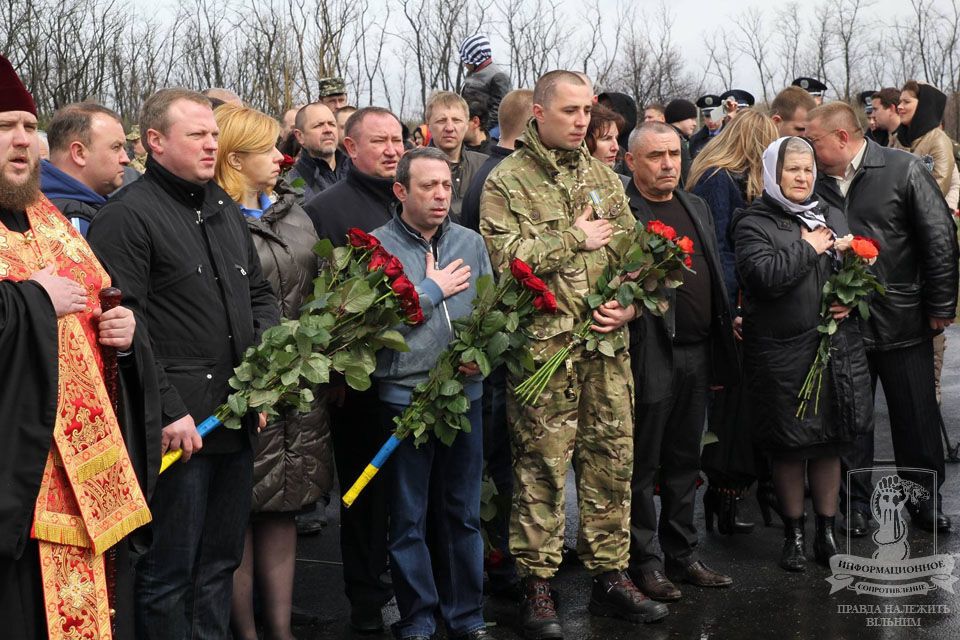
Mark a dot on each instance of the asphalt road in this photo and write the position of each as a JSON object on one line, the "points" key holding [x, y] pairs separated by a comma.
{"points": [[765, 601]]}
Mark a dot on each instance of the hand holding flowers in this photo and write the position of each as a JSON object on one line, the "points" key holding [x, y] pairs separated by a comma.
{"points": [[847, 289]]}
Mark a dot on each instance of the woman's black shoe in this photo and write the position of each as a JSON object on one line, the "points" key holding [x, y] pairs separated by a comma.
{"points": [[825, 542], [792, 558], [722, 504]]}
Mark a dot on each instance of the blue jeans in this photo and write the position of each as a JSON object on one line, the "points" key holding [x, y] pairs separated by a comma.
{"points": [[184, 582], [437, 487]]}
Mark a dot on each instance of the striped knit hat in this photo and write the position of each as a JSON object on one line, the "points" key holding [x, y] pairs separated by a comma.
{"points": [[475, 49]]}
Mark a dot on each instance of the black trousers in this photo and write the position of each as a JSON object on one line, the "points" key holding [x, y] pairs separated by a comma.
{"points": [[666, 450], [357, 435], [915, 422]]}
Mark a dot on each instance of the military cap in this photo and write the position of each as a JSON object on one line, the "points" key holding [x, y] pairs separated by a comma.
{"points": [[867, 101], [811, 85], [331, 86], [708, 102], [134, 133], [743, 98]]}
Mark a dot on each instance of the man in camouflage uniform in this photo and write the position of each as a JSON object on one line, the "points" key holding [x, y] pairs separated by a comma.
{"points": [[333, 93], [139, 161], [535, 206]]}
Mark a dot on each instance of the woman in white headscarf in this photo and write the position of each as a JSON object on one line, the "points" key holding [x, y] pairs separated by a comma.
{"points": [[784, 244]]}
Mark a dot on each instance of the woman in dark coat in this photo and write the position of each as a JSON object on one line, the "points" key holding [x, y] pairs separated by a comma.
{"points": [[785, 253], [292, 467]]}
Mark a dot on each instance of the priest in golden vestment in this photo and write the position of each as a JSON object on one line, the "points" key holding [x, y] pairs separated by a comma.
{"points": [[68, 489]]}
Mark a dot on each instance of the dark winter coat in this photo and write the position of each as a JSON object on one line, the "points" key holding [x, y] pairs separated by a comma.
{"points": [[724, 193], [651, 337], [782, 278], [487, 85], [316, 173], [184, 258], [293, 466], [361, 200], [895, 200]]}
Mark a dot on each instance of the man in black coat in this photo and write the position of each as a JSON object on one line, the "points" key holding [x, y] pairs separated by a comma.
{"points": [[183, 255], [675, 359], [374, 141], [890, 196]]}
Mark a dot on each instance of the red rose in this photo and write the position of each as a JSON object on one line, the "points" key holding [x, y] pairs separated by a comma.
{"points": [[520, 270], [394, 268], [361, 239], [546, 302], [404, 288], [535, 284], [287, 162], [685, 244], [865, 248], [688, 261], [379, 259], [662, 230]]}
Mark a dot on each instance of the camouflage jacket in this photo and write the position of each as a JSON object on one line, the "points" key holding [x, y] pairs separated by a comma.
{"points": [[528, 208]]}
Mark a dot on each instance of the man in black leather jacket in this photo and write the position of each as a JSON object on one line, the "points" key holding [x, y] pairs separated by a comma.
{"points": [[184, 258], [891, 197]]}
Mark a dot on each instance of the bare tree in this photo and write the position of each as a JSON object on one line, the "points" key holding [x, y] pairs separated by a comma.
{"points": [[751, 40]]}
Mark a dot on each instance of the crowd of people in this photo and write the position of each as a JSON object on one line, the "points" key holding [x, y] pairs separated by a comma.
{"points": [[205, 215]]}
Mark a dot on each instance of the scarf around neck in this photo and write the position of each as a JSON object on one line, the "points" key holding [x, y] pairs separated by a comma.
{"points": [[772, 167]]}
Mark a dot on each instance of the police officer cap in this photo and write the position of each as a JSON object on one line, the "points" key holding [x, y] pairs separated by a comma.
{"points": [[811, 85], [743, 98], [332, 86], [708, 102], [866, 101]]}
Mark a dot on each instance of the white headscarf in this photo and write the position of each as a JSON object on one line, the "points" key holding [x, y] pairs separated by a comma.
{"points": [[773, 156]]}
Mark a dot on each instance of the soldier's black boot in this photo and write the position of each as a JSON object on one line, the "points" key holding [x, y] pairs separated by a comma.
{"points": [[792, 558], [825, 543], [538, 615], [615, 596]]}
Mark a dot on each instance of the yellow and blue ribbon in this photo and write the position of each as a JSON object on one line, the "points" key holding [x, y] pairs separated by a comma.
{"points": [[375, 465], [203, 429]]}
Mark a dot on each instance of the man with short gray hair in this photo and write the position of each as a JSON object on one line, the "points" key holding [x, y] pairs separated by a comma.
{"points": [[675, 359]]}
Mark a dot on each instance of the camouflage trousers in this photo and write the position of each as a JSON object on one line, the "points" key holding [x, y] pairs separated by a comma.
{"points": [[585, 415]]}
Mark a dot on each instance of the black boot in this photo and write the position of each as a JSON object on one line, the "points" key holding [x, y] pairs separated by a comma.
{"points": [[825, 543], [538, 615], [722, 504], [792, 558], [615, 596]]}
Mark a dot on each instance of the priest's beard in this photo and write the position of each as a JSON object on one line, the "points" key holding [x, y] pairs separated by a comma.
{"points": [[17, 197]]}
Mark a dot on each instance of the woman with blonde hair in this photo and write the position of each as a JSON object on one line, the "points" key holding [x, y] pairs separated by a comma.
{"points": [[292, 467], [728, 174]]}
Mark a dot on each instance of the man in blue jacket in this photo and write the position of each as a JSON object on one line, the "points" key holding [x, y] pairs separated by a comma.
{"points": [[87, 160], [434, 487]]}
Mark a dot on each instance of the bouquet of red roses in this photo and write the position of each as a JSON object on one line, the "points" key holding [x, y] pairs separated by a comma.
{"points": [[493, 334], [850, 286], [654, 260], [359, 297]]}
